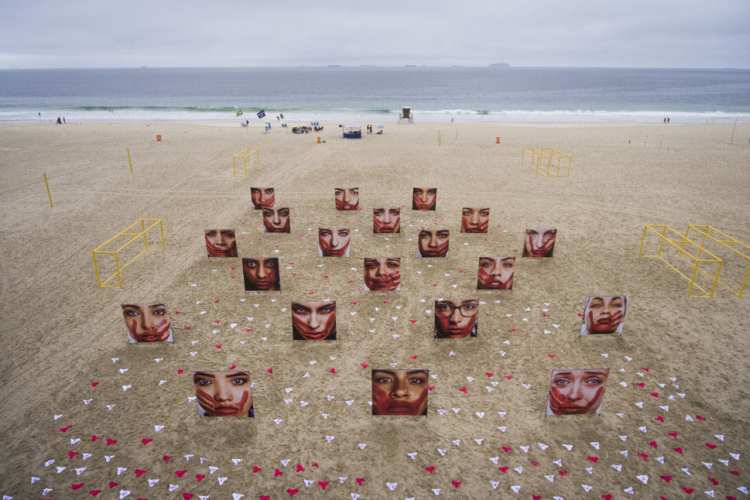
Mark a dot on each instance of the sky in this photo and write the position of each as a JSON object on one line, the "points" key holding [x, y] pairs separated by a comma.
{"points": [[188, 33]]}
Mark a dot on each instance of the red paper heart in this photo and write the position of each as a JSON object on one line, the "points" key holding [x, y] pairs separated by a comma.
{"points": [[592, 458], [666, 478], [607, 496], [463, 389], [654, 393], [232, 366], [315, 464], [292, 491], [277, 473], [332, 371], [217, 346], [552, 355], [509, 376], [659, 418], [734, 472], [563, 472], [711, 445], [112, 484], [200, 477], [700, 417], [714, 481], [429, 469], [673, 434], [680, 450], [187, 327], [72, 454], [299, 468], [688, 489], [111, 442], [139, 472], [146, 441], [489, 374], [354, 302], [644, 456], [412, 321], [269, 370], [456, 483], [430, 388], [187, 496], [653, 444], [536, 497], [264, 497], [257, 468], [94, 383], [413, 357], [503, 469], [66, 428], [76, 486], [94, 437], [640, 385], [166, 457], [359, 480], [323, 484], [364, 364], [95, 492], [534, 462], [180, 473], [506, 448], [645, 370], [180, 371]]}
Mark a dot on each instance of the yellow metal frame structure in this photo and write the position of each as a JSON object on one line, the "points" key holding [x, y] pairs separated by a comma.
{"points": [[549, 162], [707, 233], [137, 232], [700, 257], [243, 158]]}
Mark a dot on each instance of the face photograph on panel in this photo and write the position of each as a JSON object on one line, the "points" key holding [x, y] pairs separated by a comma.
{"points": [[456, 319], [220, 242], [382, 274], [347, 198], [261, 274], [576, 391], [475, 220], [400, 392], [424, 198], [223, 393], [276, 220], [539, 242], [262, 197], [604, 314], [433, 242], [147, 323], [334, 242], [495, 273], [314, 320], [386, 220]]}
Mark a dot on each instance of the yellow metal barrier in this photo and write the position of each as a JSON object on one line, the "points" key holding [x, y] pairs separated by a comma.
{"points": [[243, 158], [117, 246], [703, 264], [722, 241], [549, 162]]}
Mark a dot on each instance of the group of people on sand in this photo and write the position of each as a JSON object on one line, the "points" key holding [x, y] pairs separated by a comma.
{"points": [[61, 120], [667, 120]]}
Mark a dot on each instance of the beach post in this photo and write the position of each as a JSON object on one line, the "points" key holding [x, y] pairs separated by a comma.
{"points": [[317, 140], [130, 161], [49, 193], [158, 137], [497, 139]]}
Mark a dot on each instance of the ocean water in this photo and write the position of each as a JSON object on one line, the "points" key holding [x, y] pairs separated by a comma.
{"points": [[375, 94]]}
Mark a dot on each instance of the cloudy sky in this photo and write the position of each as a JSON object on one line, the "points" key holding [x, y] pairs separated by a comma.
{"points": [[636, 33]]}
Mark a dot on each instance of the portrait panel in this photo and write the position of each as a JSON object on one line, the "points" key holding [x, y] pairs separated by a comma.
{"points": [[386, 220], [539, 242], [433, 242], [347, 198], [383, 274], [314, 320], [223, 393], [147, 323], [456, 319], [220, 242], [576, 391], [604, 314], [495, 273], [424, 198], [400, 392], [334, 242], [261, 273], [475, 220], [262, 197], [276, 220]]}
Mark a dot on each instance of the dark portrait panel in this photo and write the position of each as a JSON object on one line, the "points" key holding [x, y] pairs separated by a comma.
{"points": [[382, 274], [386, 220], [424, 198], [576, 391], [475, 220], [261, 273], [604, 314], [496, 273], [262, 197], [347, 198], [456, 319], [539, 242], [400, 392], [433, 242], [276, 220], [147, 323], [314, 320], [220, 242], [223, 393]]}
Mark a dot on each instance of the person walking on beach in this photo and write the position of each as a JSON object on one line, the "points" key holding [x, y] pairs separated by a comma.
{"points": [[59, 120]]}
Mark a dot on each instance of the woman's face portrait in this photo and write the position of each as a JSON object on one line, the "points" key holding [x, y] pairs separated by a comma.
{"points": [[433, 243], [605, 314], [262, 197], [334, 242], [147, 322], [399, 392], [577, 391], [495, 273], [221, 242], [276, 220], [224, 394], [539, 242], [261, 273], [383, 274], [314, 320], [455, 319], [386, 220], [347, 198], [475, 220], [424, 198]]}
